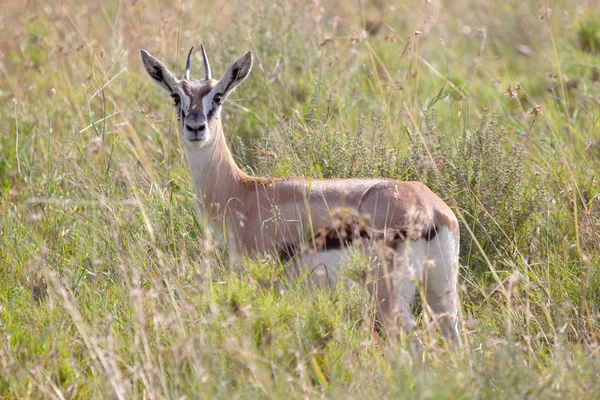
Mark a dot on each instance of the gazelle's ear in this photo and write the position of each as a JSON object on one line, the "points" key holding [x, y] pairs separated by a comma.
{"points": [[158, 72], [236, 73]]}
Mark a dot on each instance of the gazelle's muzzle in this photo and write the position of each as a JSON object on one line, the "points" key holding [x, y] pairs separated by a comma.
{"points": [[195, 125]]}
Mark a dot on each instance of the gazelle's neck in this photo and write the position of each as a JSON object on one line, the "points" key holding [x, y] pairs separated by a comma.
{"points": [[216, 177]]}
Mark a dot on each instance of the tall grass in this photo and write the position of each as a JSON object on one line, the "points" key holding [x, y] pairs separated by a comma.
{"points": [[111, 287]]}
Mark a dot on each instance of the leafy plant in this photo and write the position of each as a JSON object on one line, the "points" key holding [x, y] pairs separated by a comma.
{"points": [[482, 177]]}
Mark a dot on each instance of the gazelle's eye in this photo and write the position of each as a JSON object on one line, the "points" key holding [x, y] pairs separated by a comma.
{"points": [[176, 99], [218, 98]]}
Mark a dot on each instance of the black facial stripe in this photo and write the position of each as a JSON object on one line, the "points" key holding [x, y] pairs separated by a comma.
{"points": [[212, 112], [180, 113]]}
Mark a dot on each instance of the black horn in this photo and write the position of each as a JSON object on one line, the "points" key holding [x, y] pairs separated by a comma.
{"points": [[188, 63], [206, 63]]}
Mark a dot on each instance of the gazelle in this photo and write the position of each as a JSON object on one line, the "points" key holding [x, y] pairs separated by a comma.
{"points": [[260, 215]]}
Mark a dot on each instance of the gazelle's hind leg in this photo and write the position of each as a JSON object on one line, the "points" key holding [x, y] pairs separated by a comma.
{"points": [[397, 285], [440, 282]]}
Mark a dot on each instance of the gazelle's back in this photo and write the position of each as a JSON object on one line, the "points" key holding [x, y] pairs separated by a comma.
{"points": [[385, 204]]}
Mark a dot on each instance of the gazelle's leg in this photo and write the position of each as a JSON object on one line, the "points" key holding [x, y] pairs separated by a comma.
{"points": [[405, 293], [393, 306], [397, 285], [440, 283]]}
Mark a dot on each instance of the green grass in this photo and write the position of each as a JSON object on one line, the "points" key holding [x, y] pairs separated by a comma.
{"points": [[110, 285]]}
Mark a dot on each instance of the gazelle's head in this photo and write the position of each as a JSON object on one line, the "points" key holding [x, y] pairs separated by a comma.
{"points": [[198, 102]]}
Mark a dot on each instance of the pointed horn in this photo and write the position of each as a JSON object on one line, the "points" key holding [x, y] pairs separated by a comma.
{"points": [[186, 75], [206, 63]]}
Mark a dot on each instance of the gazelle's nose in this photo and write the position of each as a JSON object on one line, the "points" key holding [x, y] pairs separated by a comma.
{"points": [[195, 126], [195, 122]]}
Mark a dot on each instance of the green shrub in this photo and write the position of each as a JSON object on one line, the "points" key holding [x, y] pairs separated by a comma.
{"points": [[483, 181]]}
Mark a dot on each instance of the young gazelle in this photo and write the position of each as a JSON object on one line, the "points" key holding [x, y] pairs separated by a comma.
{"points": [[260, 215]]}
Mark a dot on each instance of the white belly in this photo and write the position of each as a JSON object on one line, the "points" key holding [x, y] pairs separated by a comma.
{"points": [[323, 268]]}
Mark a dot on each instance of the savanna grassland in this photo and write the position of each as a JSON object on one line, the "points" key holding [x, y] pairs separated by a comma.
{"points": [[111, 286]]}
